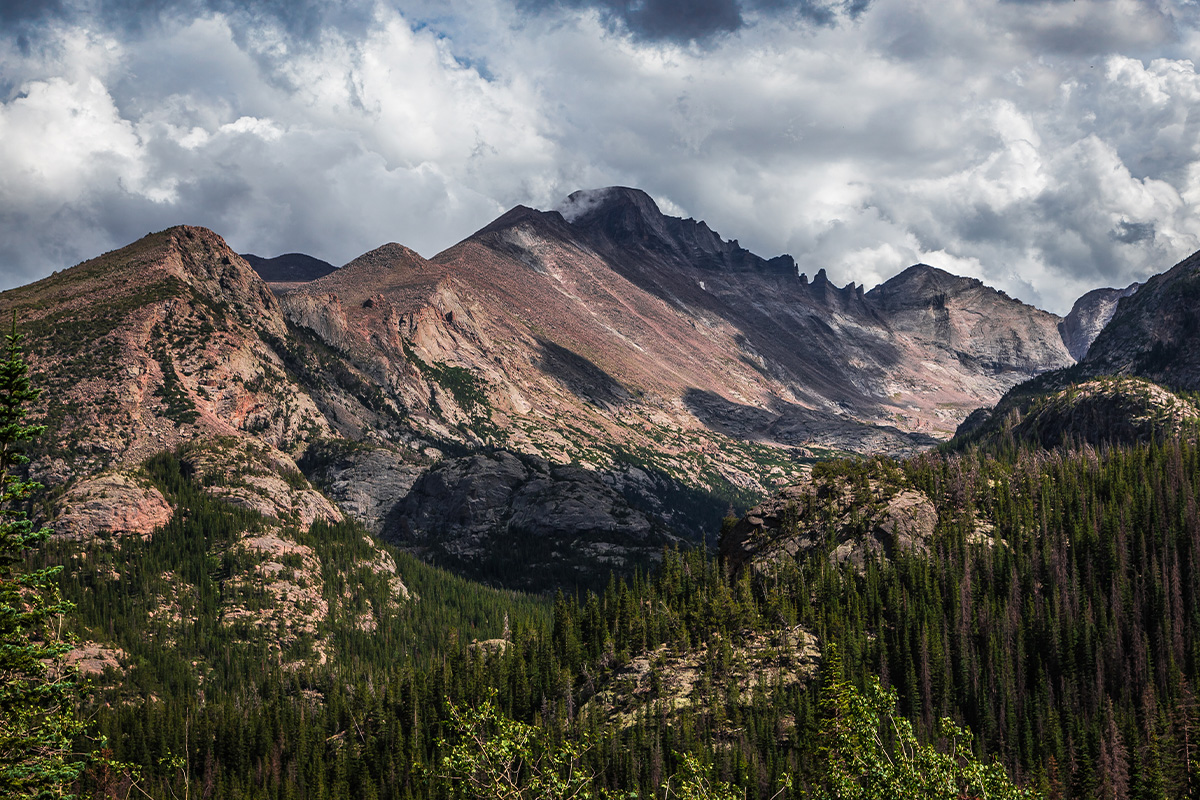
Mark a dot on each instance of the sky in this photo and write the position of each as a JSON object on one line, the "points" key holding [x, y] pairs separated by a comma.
{"points": [[1047, 147]]}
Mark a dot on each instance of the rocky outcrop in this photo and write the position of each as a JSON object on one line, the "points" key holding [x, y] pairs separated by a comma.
{"points": [[111, 503], [91, 658], [1117, 410], [675, 680], [258, 479], [1088, 317], [851, 521]]}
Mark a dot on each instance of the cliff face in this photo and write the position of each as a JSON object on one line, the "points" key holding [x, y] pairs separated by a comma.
{"points": [[1088, 317], [1154, 332]]}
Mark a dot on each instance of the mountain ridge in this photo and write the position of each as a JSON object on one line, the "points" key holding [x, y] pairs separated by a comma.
{"points": [[540, 404], [672, 364]]}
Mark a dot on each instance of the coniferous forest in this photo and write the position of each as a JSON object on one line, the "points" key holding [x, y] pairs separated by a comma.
{"points": [[1067, 638]]}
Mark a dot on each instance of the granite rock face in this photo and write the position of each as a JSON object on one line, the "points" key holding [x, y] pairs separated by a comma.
{"points": [[1088, 317], [365, 482], [116, 503], [516, 519]]}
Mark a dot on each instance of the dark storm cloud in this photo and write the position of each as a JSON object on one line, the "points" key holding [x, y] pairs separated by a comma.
{"points": [[696, 20], [677, 20], [1132, 232], [16, 11]]}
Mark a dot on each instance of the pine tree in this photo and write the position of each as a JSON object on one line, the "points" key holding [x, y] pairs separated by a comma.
{"points": [[37, 723]]}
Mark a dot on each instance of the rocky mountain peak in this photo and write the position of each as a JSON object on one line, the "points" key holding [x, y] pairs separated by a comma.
{"points": [[921, 285], [825, 293], [982, 326], [384, 266], [588, 204], [176, 326], [619, 217], [551, 222], [623, 215], [389, 256], [181, 260], [1088, 317]]}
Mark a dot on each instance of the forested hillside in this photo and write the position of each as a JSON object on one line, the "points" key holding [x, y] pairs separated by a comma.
{"points": [[1056, 614]]}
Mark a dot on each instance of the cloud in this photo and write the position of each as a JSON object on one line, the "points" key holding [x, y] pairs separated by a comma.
{"points": [[301, 18], [335, 149], [579, 203], [1046, 148], [699, 20]]}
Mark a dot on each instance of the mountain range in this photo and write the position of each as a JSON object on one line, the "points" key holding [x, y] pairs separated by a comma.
{"points": [[239, 451], [562, 390]]}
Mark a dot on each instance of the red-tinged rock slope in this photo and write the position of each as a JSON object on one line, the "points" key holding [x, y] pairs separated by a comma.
{"points": [[682, 373], [174, 344], [153, 345]]}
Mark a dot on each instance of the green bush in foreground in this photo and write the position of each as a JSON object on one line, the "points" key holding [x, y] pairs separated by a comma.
{"points": [[868, 752]]}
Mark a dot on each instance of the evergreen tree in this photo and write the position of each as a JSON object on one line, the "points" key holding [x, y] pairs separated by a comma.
{"points": [[37, 693]]}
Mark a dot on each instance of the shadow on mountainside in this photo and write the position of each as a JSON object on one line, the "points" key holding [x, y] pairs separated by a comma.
{"points": [[583, 378], [790, 424], [522, 522]]}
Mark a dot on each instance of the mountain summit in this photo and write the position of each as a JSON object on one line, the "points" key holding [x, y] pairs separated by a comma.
{"points": [[622, 218], [627, 373]]}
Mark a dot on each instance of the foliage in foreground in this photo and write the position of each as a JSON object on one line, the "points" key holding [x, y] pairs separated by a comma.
{"points": [[490, 756], [868, 752], [37, 720]]}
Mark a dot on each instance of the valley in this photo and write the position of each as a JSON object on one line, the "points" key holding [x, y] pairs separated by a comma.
{"points": [[641, 370], [618, 479]]}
